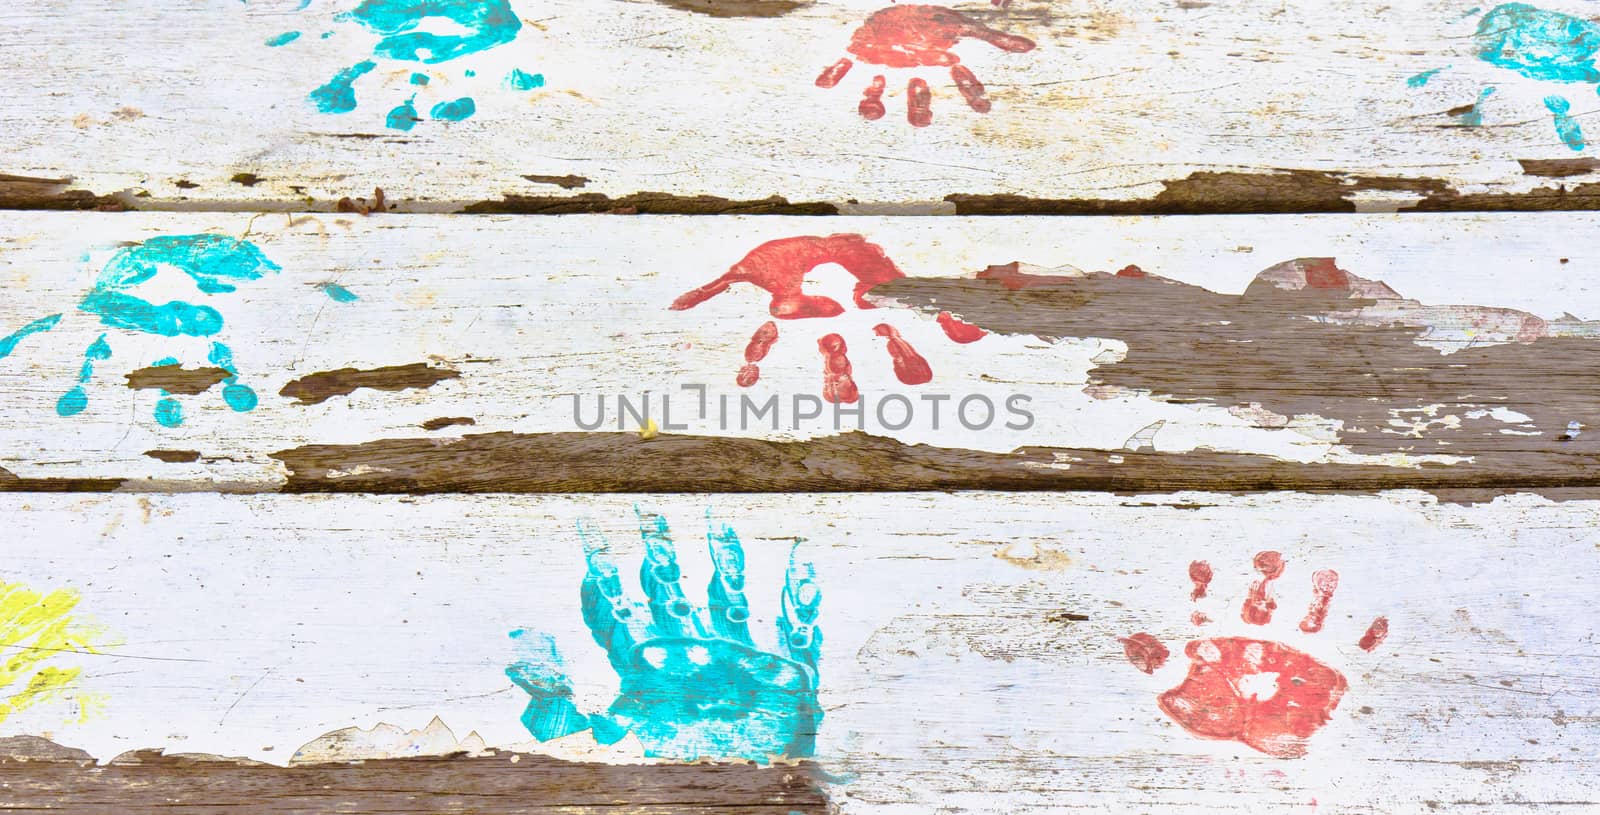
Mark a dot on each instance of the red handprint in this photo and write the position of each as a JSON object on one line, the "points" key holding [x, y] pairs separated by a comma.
{"points": [[917, 37], [1259, 693], [779, 267]]}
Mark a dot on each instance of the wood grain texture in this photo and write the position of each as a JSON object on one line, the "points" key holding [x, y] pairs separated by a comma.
{"points": [[972, 656], [507, 784], [714, 107], [474, 354]]}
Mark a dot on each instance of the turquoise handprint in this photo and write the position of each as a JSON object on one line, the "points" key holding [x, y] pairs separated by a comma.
{"points": [[216, 264], [474, 26], [694, 684]]}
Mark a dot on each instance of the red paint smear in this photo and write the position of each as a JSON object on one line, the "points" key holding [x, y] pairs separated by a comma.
{"points": [[918, 99], [1259, 605], [909, 366], [780, 267], [1210, 704], [1321, 273], [913, 36], [1132, 271], [1145, 652], [1376, 633], [1324, 582], [837, 385], [831, 75], [1198, 618], [871, 107], [760, 343], [971, 89], [1200, 573], [958, 330]]}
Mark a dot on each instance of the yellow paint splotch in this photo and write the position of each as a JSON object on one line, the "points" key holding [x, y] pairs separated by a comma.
{"points": [[37, 629]]}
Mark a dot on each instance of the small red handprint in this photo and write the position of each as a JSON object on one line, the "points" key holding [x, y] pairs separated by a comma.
{"points": [[779, 267], [1263, 694], [917, 37]]}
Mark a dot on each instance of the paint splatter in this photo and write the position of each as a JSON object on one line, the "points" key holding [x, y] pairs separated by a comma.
{"points": [[338, 95], [779, 267], [1544, 45], [1375, 635], [35, 628], [520, 80], [1472, 115], [1259, 605], [1324, 582], [693, 683], [917, 36], [1420, 80], [1266, 695], [404, 116], [338, 293], [1145, 652], [837, 384], [1539, 44], [958, 330], [9, 342], [283, 39], [909, 366], [454, 110], [760, 343], [1200, 575], [475, 26], [216, 264], [1566, 126]]}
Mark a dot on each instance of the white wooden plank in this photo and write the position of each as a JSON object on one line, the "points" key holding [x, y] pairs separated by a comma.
{"points": [[530, 314], [171, 103], [970, 661]]}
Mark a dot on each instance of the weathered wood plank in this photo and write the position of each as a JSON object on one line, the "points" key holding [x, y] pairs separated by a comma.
{"points": [[714, 106], [426, 353], [973, 648]]}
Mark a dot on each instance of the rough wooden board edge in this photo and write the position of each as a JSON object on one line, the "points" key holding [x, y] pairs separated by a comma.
{"points": [[1275, 192], [48, 776]]}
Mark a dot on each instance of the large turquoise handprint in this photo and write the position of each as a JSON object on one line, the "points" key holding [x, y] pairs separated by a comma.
{"points": [[694, 684], [216, 264]]}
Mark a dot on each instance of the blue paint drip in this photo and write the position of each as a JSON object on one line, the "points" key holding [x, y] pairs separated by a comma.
{"points": [[283, 39], [327, 34], [454, 110], [520, 80], [1474, 115], [489, 23], [693, 683], [1566, 126], [9, 342], [1539, 44], [419, 78], [1422, 79], [339, 94], [403, 116], [469, 73], [338, 293]]}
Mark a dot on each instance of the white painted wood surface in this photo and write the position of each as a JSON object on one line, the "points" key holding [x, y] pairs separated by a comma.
{"points": [[641, 96], [951, 677], [532, 313]]}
